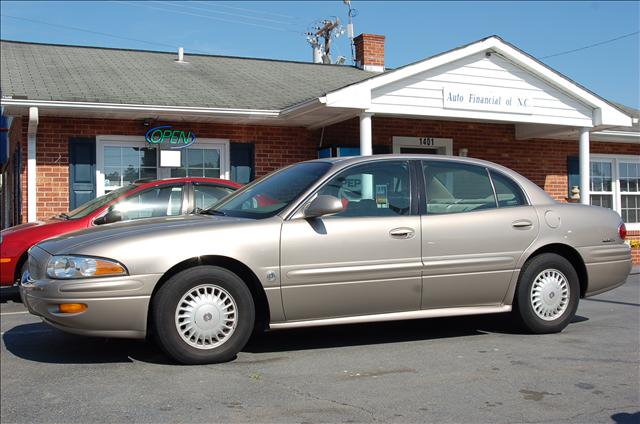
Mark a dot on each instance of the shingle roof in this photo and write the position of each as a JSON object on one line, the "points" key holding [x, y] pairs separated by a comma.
{"points": [[105, 75]]}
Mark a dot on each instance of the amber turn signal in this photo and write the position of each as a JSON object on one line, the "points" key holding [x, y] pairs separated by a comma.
{"points": [[109, 268], [72, 308]]}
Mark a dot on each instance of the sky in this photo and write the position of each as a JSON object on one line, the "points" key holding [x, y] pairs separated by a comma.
{"points": [[413, 30]]}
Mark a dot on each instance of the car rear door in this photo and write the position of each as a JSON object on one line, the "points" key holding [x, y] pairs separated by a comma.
{"points": [[364, 260], [471, 242]]}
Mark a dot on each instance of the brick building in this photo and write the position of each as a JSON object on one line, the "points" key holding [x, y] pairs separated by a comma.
{"points": [[79, 120]]}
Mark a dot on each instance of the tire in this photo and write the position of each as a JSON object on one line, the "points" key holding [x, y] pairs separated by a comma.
{"points": [[545, 281], [187, 300]]}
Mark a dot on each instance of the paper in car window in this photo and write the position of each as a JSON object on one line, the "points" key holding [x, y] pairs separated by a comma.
{"points": [[382, 199]]}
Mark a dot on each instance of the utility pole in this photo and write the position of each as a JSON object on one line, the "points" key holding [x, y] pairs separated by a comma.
{"points": [[325, 32]]}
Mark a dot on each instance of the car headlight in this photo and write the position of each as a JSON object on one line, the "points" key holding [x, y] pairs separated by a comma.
{"points": [[67, 267]]}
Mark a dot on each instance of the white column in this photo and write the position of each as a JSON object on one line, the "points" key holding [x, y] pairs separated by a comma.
{"points": [[31, 164], [366, 149], [366, 143], [584, 167]]}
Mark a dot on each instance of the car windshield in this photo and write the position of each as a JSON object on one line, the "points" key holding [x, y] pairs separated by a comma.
{"points": [[271, 194], [98, 202]]}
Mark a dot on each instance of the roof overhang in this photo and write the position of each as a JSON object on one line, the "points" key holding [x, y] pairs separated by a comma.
{"points": [[310, 114]]}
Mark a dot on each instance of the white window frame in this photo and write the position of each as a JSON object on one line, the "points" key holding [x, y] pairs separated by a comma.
{"points": [[615, 169], [612, 193], [103, 141]]}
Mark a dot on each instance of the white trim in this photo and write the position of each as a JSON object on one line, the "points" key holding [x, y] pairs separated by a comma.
{"points": [[138, 107], [32, 131], [585, 166], [613, 136], [366, 137], [373, 68], [108, 140], [423, 142], [615, 171], [603, 113], [139, 141]]}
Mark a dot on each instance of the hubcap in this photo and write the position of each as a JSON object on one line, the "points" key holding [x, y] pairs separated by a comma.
{"points": [[550, 294], [206, 316]]}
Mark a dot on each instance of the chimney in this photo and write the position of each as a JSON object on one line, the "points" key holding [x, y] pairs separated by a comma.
{"points": [[370, 52]]}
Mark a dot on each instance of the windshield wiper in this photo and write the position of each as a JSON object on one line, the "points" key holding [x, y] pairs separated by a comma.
{"points": [[64, 215], [212, 212]]}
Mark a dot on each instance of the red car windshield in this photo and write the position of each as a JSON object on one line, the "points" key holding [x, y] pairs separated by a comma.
{"points": [[95, 204]]}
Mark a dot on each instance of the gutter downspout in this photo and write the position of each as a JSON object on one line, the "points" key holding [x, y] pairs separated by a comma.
{"points": [[31, 164]]}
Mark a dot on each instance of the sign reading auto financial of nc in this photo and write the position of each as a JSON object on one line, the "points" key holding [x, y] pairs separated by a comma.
{"points": [[488, 99], [174, 138]]}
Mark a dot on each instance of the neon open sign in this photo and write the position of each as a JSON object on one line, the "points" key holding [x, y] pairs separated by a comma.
{"points": [[165, 134]]}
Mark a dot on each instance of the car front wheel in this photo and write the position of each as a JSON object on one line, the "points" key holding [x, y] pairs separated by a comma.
{"points": [[548, 293], [203, 315]]}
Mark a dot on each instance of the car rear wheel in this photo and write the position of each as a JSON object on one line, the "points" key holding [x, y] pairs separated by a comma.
{"points": [[203, 315], [548, 293]]}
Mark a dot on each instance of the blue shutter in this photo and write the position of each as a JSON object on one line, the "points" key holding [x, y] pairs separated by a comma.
{"points": [[573, 173], [82, 171], [242, 162]]}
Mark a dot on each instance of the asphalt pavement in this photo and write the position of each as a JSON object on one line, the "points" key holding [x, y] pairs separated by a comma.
{"points": [[462, 370]]}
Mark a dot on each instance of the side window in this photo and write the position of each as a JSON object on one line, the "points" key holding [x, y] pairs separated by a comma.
{"points": [[457, 188], [376, 189], [508, 192], [206, 196], [157, 201]]}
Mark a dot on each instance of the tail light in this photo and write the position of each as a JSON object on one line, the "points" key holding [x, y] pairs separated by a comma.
{"points": [[622, 230]]}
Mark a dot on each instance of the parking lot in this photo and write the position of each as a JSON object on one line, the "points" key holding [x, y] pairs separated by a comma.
{"points": [[471, 369]]}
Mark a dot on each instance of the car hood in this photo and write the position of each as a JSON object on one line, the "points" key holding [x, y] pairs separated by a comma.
{"points": [[151, 227], [23, 236], [30, 226]]}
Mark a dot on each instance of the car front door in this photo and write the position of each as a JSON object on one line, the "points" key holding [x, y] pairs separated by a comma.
{"points": [[363, 260], [471, 241]]}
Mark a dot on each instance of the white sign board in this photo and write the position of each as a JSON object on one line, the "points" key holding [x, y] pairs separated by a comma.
{"points": [[170, 158], [487, 99]]}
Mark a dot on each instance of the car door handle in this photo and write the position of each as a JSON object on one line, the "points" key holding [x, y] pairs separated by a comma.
{"points": [[402, 233], [522, 223]]}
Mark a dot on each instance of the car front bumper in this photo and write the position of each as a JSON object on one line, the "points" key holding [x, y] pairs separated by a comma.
{"points": [[116, 306]]}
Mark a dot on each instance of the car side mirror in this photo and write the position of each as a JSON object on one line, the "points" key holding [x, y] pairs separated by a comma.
{"points": [[110, 217], [323, 205]]}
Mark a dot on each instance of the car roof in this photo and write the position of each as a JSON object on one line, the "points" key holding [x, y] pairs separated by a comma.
{"points": [[217, 181]]}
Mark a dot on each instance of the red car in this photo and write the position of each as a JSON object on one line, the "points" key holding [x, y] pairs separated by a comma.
{"points": [[142, 199]]}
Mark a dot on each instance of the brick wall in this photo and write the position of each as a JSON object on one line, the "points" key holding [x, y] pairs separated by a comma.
{"points": [[274, 147]]}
